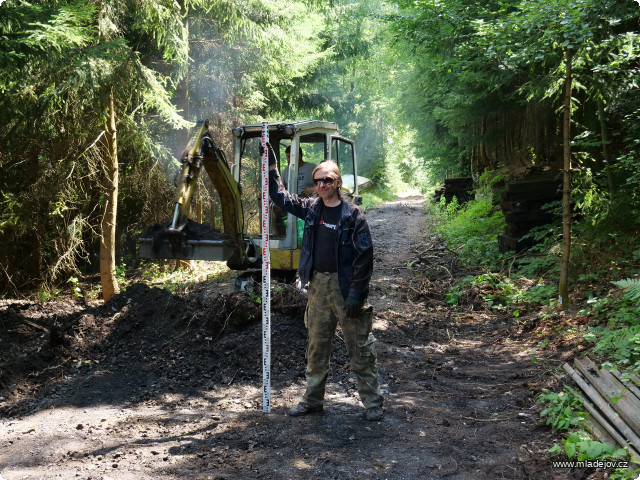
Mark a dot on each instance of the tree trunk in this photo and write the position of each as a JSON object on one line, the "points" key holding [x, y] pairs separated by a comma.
{"points": [[563, 287], [484, 158], [109, 208], [187, 112], [605, 146]]}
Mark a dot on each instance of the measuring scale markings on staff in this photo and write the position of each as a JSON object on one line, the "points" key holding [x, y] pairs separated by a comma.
{"points": [[266, 277]]}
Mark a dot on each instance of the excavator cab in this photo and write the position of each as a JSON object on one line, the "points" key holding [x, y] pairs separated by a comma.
{"points": [[239, 187]]}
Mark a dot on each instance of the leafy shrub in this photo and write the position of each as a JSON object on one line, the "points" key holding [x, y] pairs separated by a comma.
{"points": [[532, 267], [498, 291], [622, 344], [564, 409], [631, 288], [617, 332], [579, 444], [541, 293], [471, 230]]}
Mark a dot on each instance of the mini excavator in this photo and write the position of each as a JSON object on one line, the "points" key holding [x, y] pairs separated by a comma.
{"points": [[238, 187]]}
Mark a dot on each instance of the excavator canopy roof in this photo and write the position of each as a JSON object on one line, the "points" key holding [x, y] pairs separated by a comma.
{"points": [[285, 129]]}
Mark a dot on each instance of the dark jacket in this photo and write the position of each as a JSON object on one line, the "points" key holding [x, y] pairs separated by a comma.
{"points": [[354, 249]]}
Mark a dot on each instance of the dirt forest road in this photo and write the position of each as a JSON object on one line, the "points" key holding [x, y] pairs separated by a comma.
{"points": [[148, 386]]}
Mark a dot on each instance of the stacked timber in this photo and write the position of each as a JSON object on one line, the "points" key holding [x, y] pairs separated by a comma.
{"points": [[613, 403], [459, 187], [521, 202]]}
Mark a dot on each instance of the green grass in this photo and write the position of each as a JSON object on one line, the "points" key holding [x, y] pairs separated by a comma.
{"points": [[376, 197], [471, 230], [166, 275]]}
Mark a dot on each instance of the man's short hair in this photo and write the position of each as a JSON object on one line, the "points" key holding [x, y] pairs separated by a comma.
{"points": [[288, 149]]}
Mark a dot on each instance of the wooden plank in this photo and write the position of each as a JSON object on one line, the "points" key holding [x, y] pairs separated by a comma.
{"points": [[35, 325], [629, 383], [629, 404], [601, 427], [514, 232], [526, 226], [604, 407], [523, 206], [517, 231], [457, 188], [530, 216], [549, 195], [608, 386], [461, 183], [604, 431], [520, 186]]}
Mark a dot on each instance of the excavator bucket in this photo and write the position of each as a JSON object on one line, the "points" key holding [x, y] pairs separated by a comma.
{"points": [[211, 250], [193, 242]]}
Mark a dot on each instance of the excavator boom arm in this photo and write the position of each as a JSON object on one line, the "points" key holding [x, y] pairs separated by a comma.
{"points": [[173, 241]]}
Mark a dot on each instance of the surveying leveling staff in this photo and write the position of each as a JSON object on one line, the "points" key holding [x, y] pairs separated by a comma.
{"points": [[336, 261]]}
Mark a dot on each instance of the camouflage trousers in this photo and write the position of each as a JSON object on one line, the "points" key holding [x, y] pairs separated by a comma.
{"points": [[325, 310]]}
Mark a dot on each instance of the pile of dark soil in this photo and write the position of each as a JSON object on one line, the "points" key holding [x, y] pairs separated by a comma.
{"points": [[44, 342], [191, 231]]}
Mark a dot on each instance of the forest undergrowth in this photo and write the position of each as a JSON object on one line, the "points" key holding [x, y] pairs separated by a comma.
{"points": [[605, 300]]}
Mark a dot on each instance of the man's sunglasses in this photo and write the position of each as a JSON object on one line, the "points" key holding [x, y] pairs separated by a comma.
{"points": [[324, 181]]}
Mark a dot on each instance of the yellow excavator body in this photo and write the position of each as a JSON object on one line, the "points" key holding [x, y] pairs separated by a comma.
{"points": [[237, 243]]}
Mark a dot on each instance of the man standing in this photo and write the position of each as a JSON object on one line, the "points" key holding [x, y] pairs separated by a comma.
{"points": [[305, 173], [337, 262]]}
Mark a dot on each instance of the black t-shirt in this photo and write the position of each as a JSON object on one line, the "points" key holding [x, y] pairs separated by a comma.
{"points": [[324, 251]]}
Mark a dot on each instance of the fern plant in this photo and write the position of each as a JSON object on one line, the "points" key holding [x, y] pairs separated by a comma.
{"points": [[622, 344], [631, 288]]}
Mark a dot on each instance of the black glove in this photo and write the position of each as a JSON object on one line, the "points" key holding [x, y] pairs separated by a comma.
{"points": [[354, 307]]}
